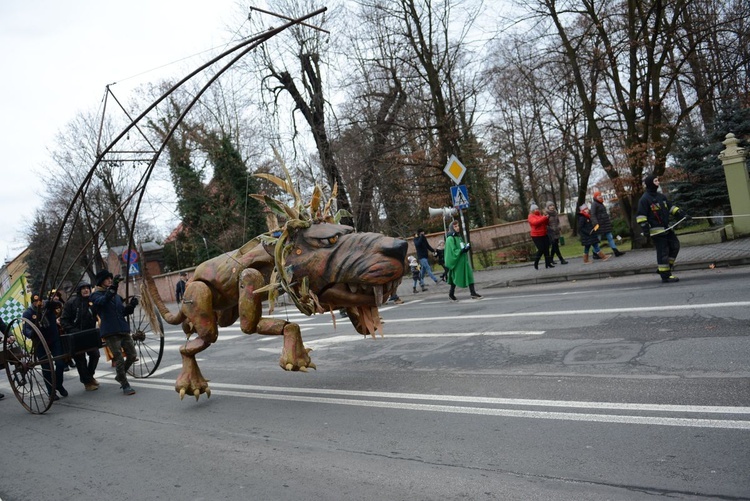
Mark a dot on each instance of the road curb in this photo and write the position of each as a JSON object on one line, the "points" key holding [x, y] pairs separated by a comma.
{"points": [[604, 274]]}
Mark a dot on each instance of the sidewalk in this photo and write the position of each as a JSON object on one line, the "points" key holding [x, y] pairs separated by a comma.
{"points": [[731, 253]]}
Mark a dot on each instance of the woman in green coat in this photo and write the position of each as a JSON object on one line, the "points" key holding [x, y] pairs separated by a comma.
{"points": [[457, 263]]}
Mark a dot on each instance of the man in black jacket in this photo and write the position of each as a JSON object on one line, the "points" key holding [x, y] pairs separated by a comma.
{"points": [[78, 316], [422, 246], [114, 327], [179, 290], [602, 222]]}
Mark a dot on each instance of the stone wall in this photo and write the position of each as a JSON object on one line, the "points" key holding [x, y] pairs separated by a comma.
{"points": [[495, 237]]}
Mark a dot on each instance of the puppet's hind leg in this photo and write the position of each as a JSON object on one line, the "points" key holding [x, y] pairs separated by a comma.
{"points": [[198, 308]]}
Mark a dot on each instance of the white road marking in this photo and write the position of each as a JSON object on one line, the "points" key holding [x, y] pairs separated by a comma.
{"points": [[557, 313], [346, 338], [164, 370], [461, 318], [308, 395], [468, 334], [357, 337]]}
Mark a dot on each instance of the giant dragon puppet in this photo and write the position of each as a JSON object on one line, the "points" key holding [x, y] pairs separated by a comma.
{"points": [[320, 264]]}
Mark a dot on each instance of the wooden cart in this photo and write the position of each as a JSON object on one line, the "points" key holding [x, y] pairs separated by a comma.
{"points": [[30, 373]]}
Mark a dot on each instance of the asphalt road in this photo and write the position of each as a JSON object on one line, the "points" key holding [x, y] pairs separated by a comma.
{"points": [[608, 389]]}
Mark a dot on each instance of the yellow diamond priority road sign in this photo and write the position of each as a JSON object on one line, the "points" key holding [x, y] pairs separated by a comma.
{"points": [[455, 169]]}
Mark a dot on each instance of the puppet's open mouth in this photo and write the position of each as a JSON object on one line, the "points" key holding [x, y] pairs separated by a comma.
{"points": [[353, 294]]}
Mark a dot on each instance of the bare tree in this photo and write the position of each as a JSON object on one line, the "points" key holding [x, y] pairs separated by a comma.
{"points": [[632, 109], [422, 45], [294, 67]]}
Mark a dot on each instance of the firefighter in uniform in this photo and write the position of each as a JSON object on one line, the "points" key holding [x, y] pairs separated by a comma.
{"points": [[653, 215]]}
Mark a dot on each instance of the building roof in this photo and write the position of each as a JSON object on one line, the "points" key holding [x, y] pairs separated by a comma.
{"points": [[145, 247]]}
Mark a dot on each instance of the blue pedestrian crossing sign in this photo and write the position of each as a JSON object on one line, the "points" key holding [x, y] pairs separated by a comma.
{"points": [[460, 196], [134, 269]]}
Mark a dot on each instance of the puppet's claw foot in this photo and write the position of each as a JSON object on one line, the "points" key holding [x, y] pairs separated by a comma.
{"points": [[301, 368], [196, 392], [192, 383], [301, 363], [294, 355]]}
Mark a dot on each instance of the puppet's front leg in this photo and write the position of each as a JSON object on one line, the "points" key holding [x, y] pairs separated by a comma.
{"points": [[191, 381], [294, 355], [200, 318]]}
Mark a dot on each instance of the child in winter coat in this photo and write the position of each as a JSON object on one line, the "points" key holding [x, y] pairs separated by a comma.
{"points": [[415, 272]]}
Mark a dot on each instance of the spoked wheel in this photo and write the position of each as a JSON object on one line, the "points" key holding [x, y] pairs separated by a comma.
{"points": [[29, 366], [149, 345]]}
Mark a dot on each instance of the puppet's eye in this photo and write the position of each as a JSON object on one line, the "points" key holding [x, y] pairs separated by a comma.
{"points": [[329, 240]]}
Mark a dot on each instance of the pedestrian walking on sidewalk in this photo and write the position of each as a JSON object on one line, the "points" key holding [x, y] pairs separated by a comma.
{"points": [[457, 263], [653, 215], [539, 223], [553, 233], [602, 222], [423, 248], [589, 238], [440, 256]]}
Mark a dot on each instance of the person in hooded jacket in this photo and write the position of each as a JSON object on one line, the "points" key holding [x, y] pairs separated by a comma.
{"points": [[457, 263], [653, 215], [114, 328], [77, 316], [538, 223], [553, 233], [603, 223], [589, 238], [42, 314]]}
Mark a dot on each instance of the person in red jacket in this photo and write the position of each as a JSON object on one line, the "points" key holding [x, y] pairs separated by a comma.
{"points": [[538, 223]]}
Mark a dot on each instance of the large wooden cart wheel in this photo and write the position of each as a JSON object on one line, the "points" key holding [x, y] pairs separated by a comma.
{"points": [[24, 364], [149, 345]]}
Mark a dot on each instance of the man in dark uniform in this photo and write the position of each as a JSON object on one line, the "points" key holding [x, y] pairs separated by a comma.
{"points": [[653, 216]]}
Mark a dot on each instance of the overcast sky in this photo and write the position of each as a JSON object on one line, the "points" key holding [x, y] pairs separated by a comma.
{"points": [[57, 56]]}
